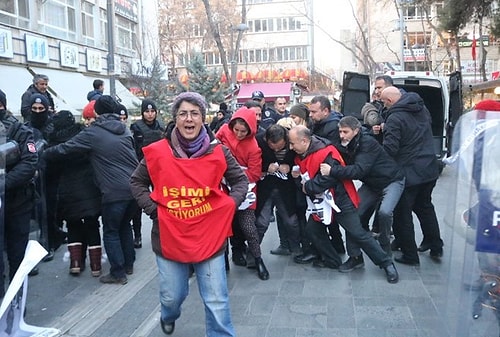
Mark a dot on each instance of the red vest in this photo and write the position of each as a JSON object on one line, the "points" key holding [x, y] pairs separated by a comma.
{"points": [[194, 214], [311, 164]]}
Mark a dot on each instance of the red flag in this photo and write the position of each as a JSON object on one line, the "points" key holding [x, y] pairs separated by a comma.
{"points": [[474, 48]]}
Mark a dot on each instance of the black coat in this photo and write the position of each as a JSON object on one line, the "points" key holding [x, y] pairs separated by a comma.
{"points": [[328, 128], [287, 188], [26, 99], [19, 187], [110, 145], [367, 161], [408, 139], [77, 192]]}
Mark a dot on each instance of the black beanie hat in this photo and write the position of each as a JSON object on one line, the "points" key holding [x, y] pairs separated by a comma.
{"points": [[300, 110], [3, 99], [121, 110], [39, 98], [148, 104], [63, 119], [106, 105]]}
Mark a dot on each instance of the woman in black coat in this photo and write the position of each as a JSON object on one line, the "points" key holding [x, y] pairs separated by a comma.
{"points": [[78, 199]]}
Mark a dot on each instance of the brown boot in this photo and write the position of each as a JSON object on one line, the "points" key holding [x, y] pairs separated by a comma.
{"points": [[75, 257], [95, 254]]}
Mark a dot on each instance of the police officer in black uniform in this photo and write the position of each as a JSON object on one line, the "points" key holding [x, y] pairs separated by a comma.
{"points": [[20, 165], [147, 130]]}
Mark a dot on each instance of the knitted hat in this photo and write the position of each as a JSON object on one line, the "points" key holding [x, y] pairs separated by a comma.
{"points": [[488, 105], [3, 99], [39, 98], [370, 115], [223, 106], [63, 119], [88, 110], [193, 98], [121, 110], [148, 104], [105, 105], [300, 110]]}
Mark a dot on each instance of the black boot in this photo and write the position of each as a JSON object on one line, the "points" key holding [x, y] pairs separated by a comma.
{"points": [[261, 269]]}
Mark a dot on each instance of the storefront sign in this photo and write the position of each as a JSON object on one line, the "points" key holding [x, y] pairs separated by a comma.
{"points": [[69, 55], [94, 60], [127, 9], [6, 49], [37, 49]]}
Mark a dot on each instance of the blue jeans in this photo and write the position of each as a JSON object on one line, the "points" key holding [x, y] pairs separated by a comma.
{"points": [[117, 235], [212, 285], [386, 202]]}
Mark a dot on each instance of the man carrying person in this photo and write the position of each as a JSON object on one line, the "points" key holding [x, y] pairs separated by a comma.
{"points": [[383, 183], [311, 153], [408, 139]]}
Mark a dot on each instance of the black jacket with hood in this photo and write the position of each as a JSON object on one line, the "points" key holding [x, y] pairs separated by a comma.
{"points": [[408, 139], [110, 146], [367, 161]]}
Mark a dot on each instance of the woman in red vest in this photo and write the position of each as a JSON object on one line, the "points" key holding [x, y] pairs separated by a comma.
{"points": [[191, 214], [239, 136]]}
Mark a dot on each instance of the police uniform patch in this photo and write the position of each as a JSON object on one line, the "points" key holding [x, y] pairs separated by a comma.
{"points": [[31, 147], [267, 113]]}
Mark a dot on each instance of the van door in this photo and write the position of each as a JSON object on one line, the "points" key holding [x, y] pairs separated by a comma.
{"points": [[456, 107], [355, 93]]}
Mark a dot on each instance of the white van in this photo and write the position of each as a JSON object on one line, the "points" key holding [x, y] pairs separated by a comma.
{"points": [[442, 97]]}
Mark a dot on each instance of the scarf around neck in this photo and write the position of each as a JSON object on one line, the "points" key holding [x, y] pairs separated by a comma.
{"points": [[190, 149]]}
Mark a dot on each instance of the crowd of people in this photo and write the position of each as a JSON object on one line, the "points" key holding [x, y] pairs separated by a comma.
{"points": [[260, 163]]}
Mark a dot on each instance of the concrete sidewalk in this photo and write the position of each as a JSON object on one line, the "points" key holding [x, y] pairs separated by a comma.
{"points": [[297, 300]]}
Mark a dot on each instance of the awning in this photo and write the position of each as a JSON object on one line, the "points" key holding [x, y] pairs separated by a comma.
{"points": [[14, 81], [271, 91], [71, 88]]}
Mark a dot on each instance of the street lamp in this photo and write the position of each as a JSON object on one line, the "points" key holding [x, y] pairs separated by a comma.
{"points": [[240, 28]]}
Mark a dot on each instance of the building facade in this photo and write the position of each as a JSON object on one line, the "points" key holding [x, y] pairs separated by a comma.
{"points": [[393, 33], [68, 41]]}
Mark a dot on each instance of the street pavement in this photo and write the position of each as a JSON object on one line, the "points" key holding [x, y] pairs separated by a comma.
{"points": [[297, 300]]}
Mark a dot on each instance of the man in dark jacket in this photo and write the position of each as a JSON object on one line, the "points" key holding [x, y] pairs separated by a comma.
{"points": [[408, 139], [277, 189], [147, 130], [325, 125], [19, 190], [111, 148], [39, 86], [383, 183], [98, 91], [311, 153]]}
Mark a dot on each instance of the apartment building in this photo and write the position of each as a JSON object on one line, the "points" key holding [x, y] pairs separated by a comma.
{"points": [[393, 33], [67, 40]]}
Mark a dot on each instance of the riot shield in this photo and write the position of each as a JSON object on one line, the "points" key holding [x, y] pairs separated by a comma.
{"points": [[473, 307], [3, 137], [13, 305]]}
